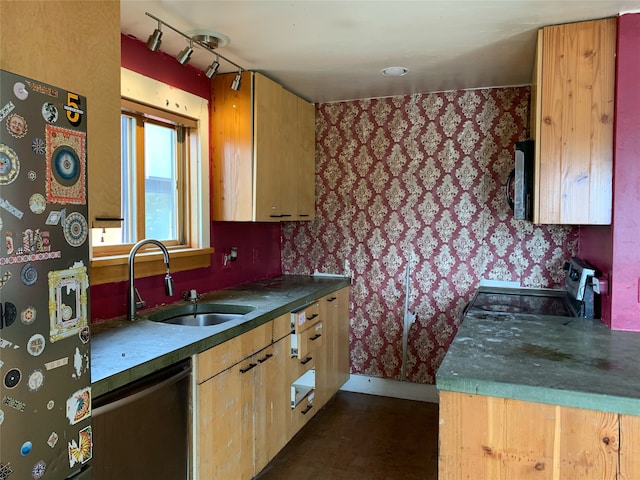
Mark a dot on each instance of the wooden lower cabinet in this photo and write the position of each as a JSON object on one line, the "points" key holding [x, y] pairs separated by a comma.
{"points": [[496, 438]]}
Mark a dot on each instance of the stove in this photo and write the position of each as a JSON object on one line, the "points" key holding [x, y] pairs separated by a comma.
{"points": [[577, 300]]}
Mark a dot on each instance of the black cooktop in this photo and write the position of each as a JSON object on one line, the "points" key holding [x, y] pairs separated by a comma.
{"points": [[519, 303]]}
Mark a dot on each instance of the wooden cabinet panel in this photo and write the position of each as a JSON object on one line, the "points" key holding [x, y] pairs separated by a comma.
{"points": [[629, 447], [488, 437], [573, 122], [76, 47]]}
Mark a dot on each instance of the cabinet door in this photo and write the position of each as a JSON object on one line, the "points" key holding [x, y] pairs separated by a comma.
{"points": [[305, 160], [488, 437], [219, 436], [231, 149], [268, 149], [629, 447], [574, 123]]}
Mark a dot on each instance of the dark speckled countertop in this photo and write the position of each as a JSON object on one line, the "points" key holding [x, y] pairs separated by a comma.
{"points": [[572, 362], [123, 351]]}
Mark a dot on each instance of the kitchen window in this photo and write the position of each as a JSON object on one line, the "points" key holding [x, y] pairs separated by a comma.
{"points": [[165, 188], [155, 180]]}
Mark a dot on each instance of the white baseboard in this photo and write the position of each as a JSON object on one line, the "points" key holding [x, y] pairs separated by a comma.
{"points": [[391, 388]]}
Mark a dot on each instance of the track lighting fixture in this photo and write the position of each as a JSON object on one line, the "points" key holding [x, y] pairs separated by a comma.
{"points": [[184, 55], [207, 41], [212, 69], [155, 39], [235, 85]]}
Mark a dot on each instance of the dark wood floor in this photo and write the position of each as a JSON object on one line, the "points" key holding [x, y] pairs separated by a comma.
{"points": [[362, 437]]}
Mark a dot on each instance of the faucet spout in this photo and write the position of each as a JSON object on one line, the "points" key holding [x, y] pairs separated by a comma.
{"points": [[134, 303]]}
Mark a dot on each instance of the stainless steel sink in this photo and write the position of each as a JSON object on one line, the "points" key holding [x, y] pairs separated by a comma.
{"points": [[201, 314]]}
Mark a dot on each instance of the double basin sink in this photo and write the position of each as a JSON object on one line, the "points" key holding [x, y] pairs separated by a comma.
{"points": [[201, 314]]}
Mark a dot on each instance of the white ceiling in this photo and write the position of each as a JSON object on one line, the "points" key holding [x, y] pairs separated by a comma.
{"points": [[334, 50]]}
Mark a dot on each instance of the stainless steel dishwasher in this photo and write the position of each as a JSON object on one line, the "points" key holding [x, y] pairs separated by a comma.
{"points": [[143, 430]]}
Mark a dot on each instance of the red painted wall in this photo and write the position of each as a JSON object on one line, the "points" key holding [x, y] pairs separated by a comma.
{"points": [[615, 249], [258, 243]]}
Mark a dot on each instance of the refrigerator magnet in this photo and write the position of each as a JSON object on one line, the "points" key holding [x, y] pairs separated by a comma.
{"points": [[79, 405], [36, 344], [12, 378], [38, 146], [20, 91], [49, 112], [29, 275], [17, 125], [35, 380], [9, 164], [38, 470]]}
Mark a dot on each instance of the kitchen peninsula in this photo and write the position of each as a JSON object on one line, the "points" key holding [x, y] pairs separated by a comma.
{"points": [[533, 396]]}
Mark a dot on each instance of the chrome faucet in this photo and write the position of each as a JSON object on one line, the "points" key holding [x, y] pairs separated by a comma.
{"points": [[135, 300]]}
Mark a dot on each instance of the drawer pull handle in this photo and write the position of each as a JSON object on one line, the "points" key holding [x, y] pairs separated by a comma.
{"points": [[245, 370], [266, 357], [312, 317], [306, 360], [315, 337], [332, 299], [306, 410]]}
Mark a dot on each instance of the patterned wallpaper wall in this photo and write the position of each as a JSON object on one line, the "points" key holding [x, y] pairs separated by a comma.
{"points": [[419, 180]]}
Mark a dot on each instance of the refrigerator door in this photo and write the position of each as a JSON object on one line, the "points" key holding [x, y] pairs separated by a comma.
{"points": [[45, 382]]}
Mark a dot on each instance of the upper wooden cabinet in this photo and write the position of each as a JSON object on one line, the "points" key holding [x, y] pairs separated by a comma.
{"points": [[262, 151], [572, 122], [75, 46]]}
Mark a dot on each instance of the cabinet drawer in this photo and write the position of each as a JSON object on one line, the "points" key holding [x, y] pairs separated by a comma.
{"points": [[305, 317], [308, 341], [302, 413], [298, 367], [229, 353]]}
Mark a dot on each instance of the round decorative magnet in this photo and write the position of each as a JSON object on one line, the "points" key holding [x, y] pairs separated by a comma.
{"points": [[12, 378], [75, 229], [17, 125], [36, 344], [50, 404], [9, 165], [37, 203], [49, 112], [32, 175], [35, 380], [26, 448], [28, 315], [20, 91], [29, 275], [66, 165], [38, 146]]}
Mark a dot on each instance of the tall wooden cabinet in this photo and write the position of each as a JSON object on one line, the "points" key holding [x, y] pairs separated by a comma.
{"points": [[572, 122], [262, 152]]}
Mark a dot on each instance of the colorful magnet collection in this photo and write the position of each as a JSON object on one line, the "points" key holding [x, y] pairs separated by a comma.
{"points": [[44, 324]]}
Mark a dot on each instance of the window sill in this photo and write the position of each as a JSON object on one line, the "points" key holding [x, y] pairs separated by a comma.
{"points": [[115, 268]]}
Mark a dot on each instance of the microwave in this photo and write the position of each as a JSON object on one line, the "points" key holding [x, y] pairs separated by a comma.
{"points": [[520, 182]]}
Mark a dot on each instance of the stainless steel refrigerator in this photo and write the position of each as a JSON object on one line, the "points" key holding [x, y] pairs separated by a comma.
{"points": [[45, 381]]}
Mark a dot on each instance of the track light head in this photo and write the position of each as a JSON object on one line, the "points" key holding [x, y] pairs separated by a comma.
{"points": [[155, 39], [235, 85], [184, 55], [212, 69]]}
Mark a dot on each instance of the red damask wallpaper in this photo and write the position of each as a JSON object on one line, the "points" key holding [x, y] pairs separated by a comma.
{"points": [[418, 181]]}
